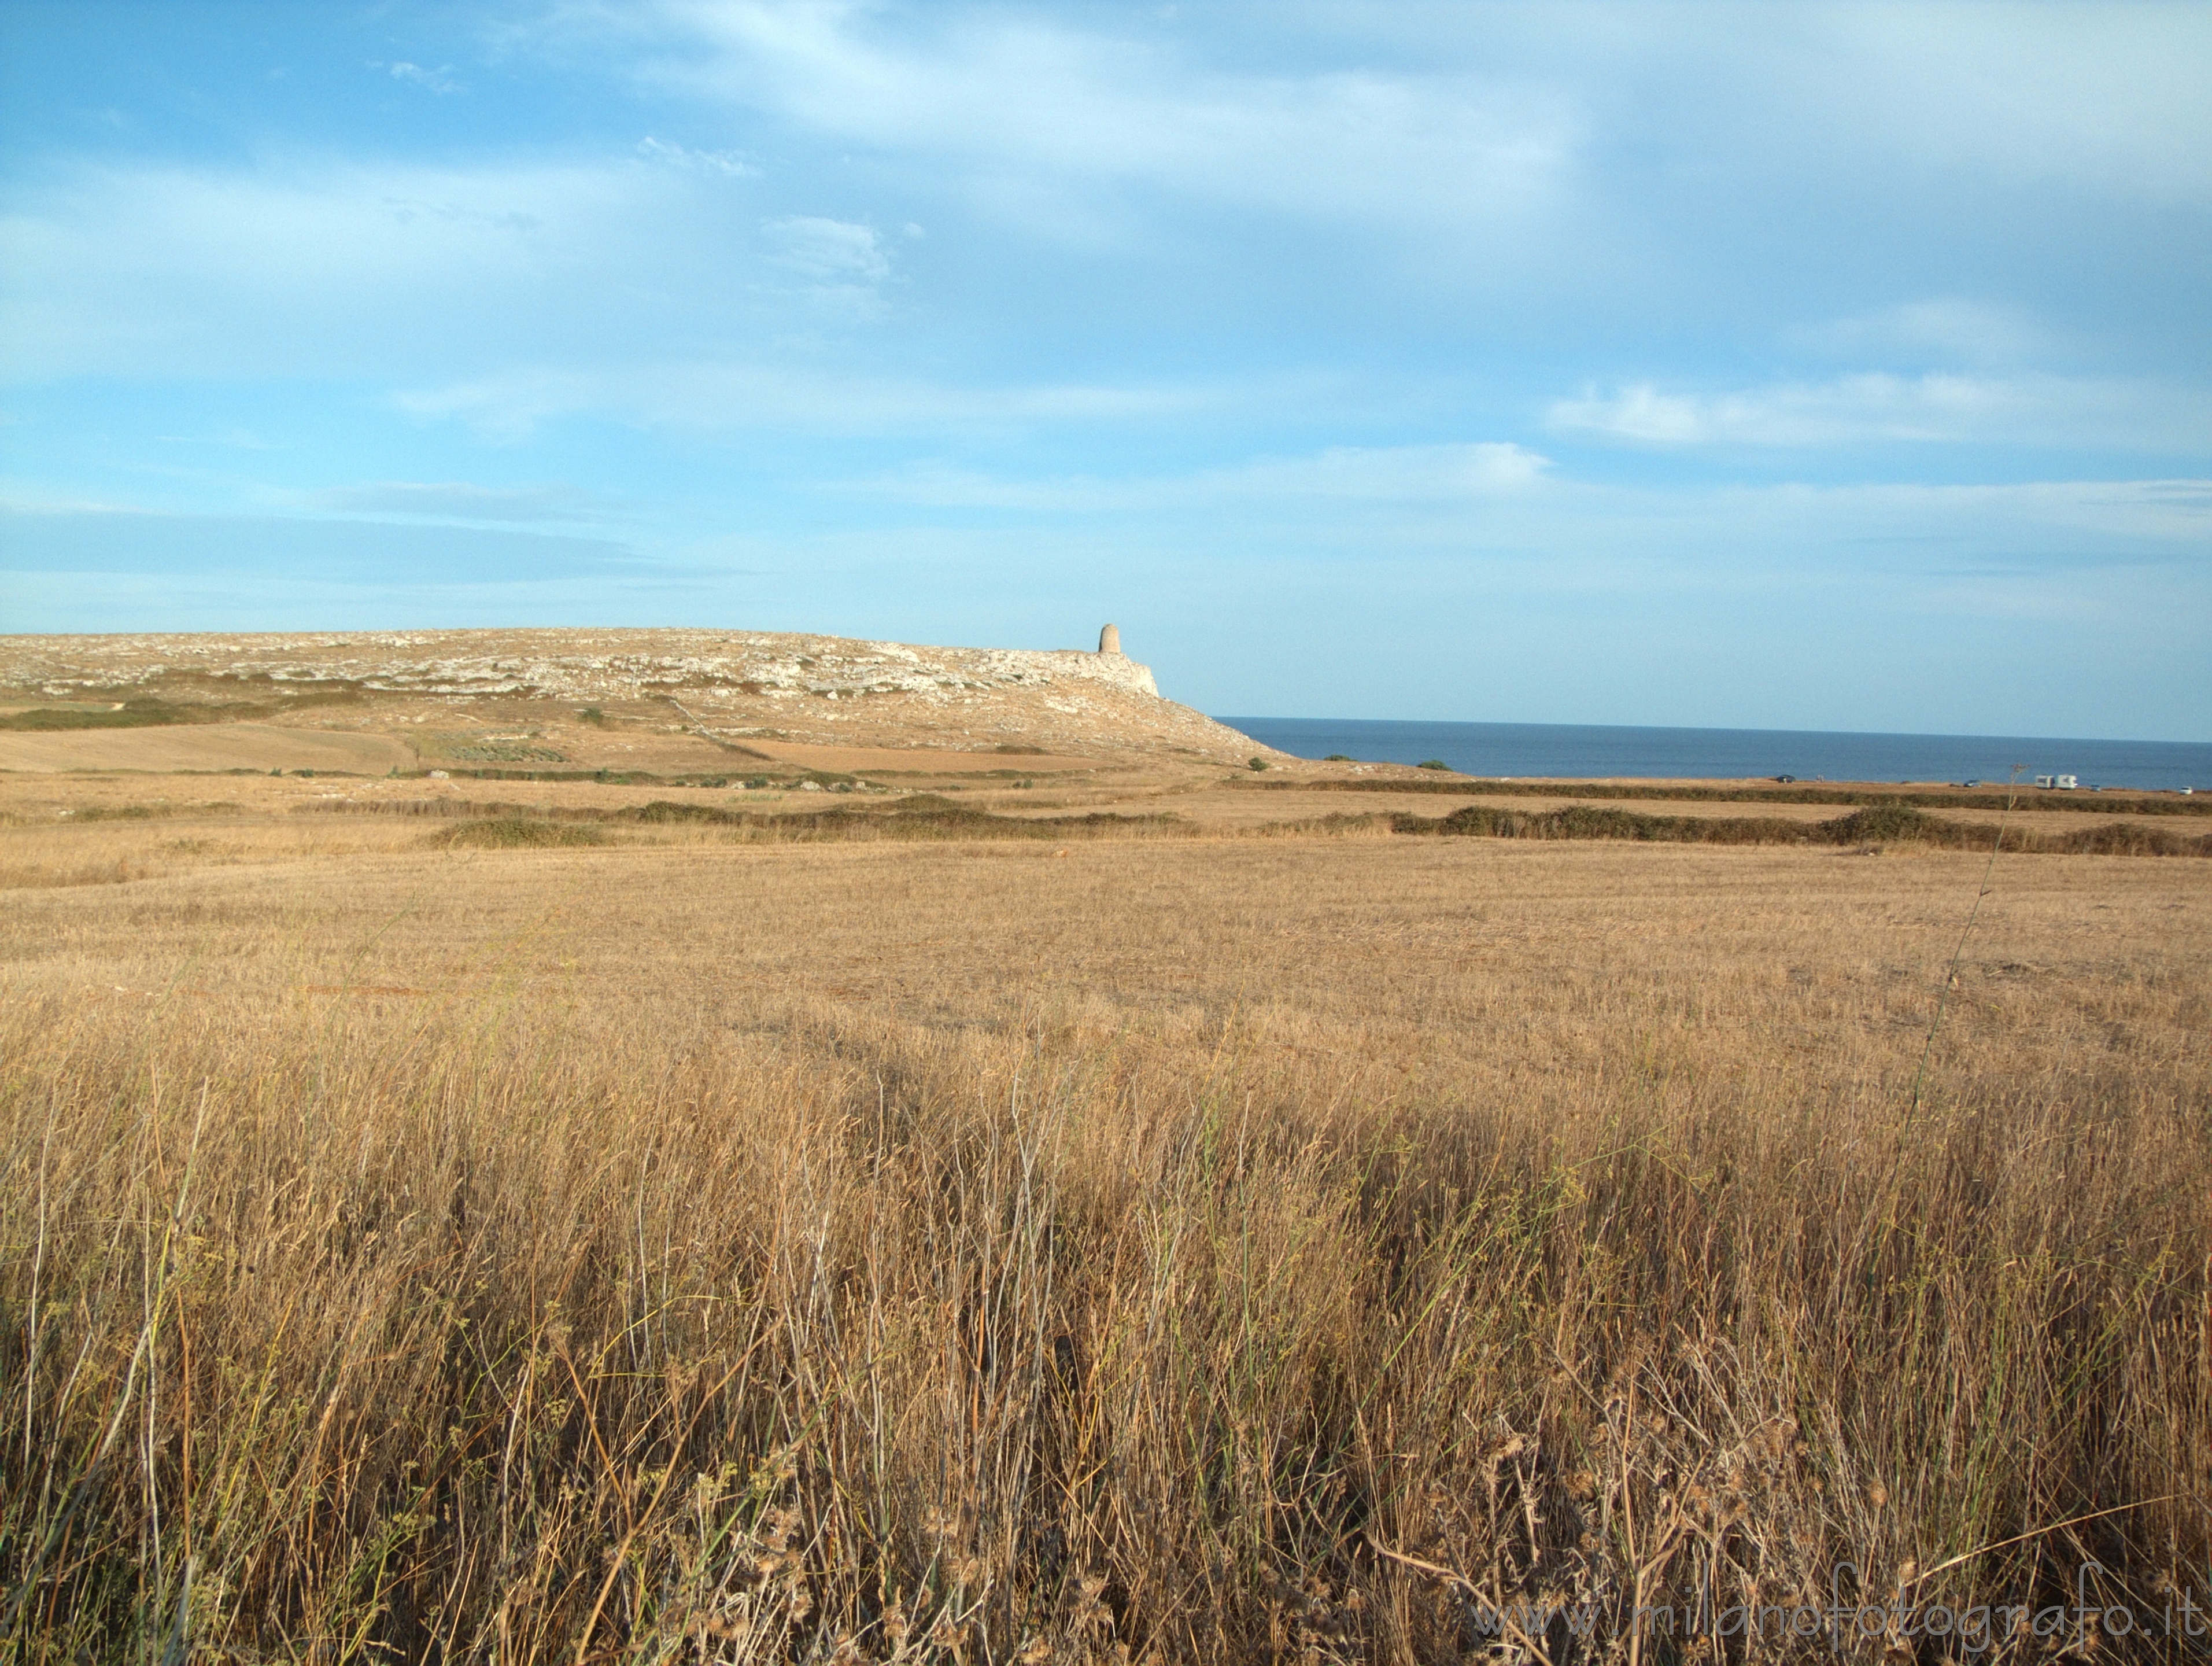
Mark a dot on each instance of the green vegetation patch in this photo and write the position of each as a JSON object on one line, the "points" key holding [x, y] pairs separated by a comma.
{"points": [[923, 816], [518, 833], [2109, 804], [474, 750], [218, 703], [1884, 824], [142, 813], [143, 713]]}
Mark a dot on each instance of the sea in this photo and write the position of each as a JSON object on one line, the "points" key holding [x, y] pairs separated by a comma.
{"points": [[1596, 751]]}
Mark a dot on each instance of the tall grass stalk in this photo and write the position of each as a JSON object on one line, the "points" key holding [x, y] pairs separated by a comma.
{"points": [[456, 1337]]}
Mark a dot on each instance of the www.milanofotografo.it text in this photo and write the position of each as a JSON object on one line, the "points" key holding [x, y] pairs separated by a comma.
{"points": [[1845, 1620]]}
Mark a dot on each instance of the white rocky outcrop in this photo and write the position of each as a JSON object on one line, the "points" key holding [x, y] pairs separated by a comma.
{"points": [[562, 665], [725, 682]]}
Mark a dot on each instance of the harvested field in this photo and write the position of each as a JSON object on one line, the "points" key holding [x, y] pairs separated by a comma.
{"points": [[719, 1243], [205, 748]]}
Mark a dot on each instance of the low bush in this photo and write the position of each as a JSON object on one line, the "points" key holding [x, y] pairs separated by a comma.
{"points": [[518, 833], [131, 714], [1886, 825]]}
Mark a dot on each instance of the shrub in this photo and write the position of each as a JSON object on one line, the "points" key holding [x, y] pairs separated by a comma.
{"points": [[1434, 763], [1886, 823], [1258, 762], [138, 712], [518, 833]]}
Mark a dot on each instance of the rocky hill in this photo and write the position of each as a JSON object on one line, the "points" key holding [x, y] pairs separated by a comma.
{"points": [[723, 687]]}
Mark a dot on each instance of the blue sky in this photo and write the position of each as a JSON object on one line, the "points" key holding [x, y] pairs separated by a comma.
{"points": [[1771, 364]]}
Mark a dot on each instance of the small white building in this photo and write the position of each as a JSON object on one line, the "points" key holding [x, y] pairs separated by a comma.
{"points": [[2064, 783]]}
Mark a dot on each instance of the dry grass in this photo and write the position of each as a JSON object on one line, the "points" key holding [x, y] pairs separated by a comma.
{"points": [[1227, 1249]]}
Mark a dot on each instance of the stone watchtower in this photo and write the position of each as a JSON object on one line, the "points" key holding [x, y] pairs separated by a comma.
{"points": [[1109, 639]]}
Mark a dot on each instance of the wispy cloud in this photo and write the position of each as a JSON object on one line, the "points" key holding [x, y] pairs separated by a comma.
{"points": [[727, 164], [459, 501], [1879, 408], [163, 270], [1341, 476], [397, 270], [440, 80], [1950, 330], [228, 439], [828, 251], [1040, 111], [731, 396]]}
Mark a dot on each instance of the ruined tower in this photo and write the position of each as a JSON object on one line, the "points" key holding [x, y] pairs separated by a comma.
{"points": [[1109, 639]]}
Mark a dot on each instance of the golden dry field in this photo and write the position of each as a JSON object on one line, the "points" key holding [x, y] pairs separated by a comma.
{"points": [[1192, 1239], [936, 1201]]}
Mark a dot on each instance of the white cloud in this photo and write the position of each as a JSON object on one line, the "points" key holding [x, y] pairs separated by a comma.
{"points": [[727, 164], [1345, 477], [167, 270], [736, 395], [405, 272], [828, 251], [1880, 408], [1041, 114], [1517, 137], [232, 438], [440, 80], [1504, 508], [2106, 97], [1950, 329], [1442, 474], [456, 501], [2110, 96]]}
